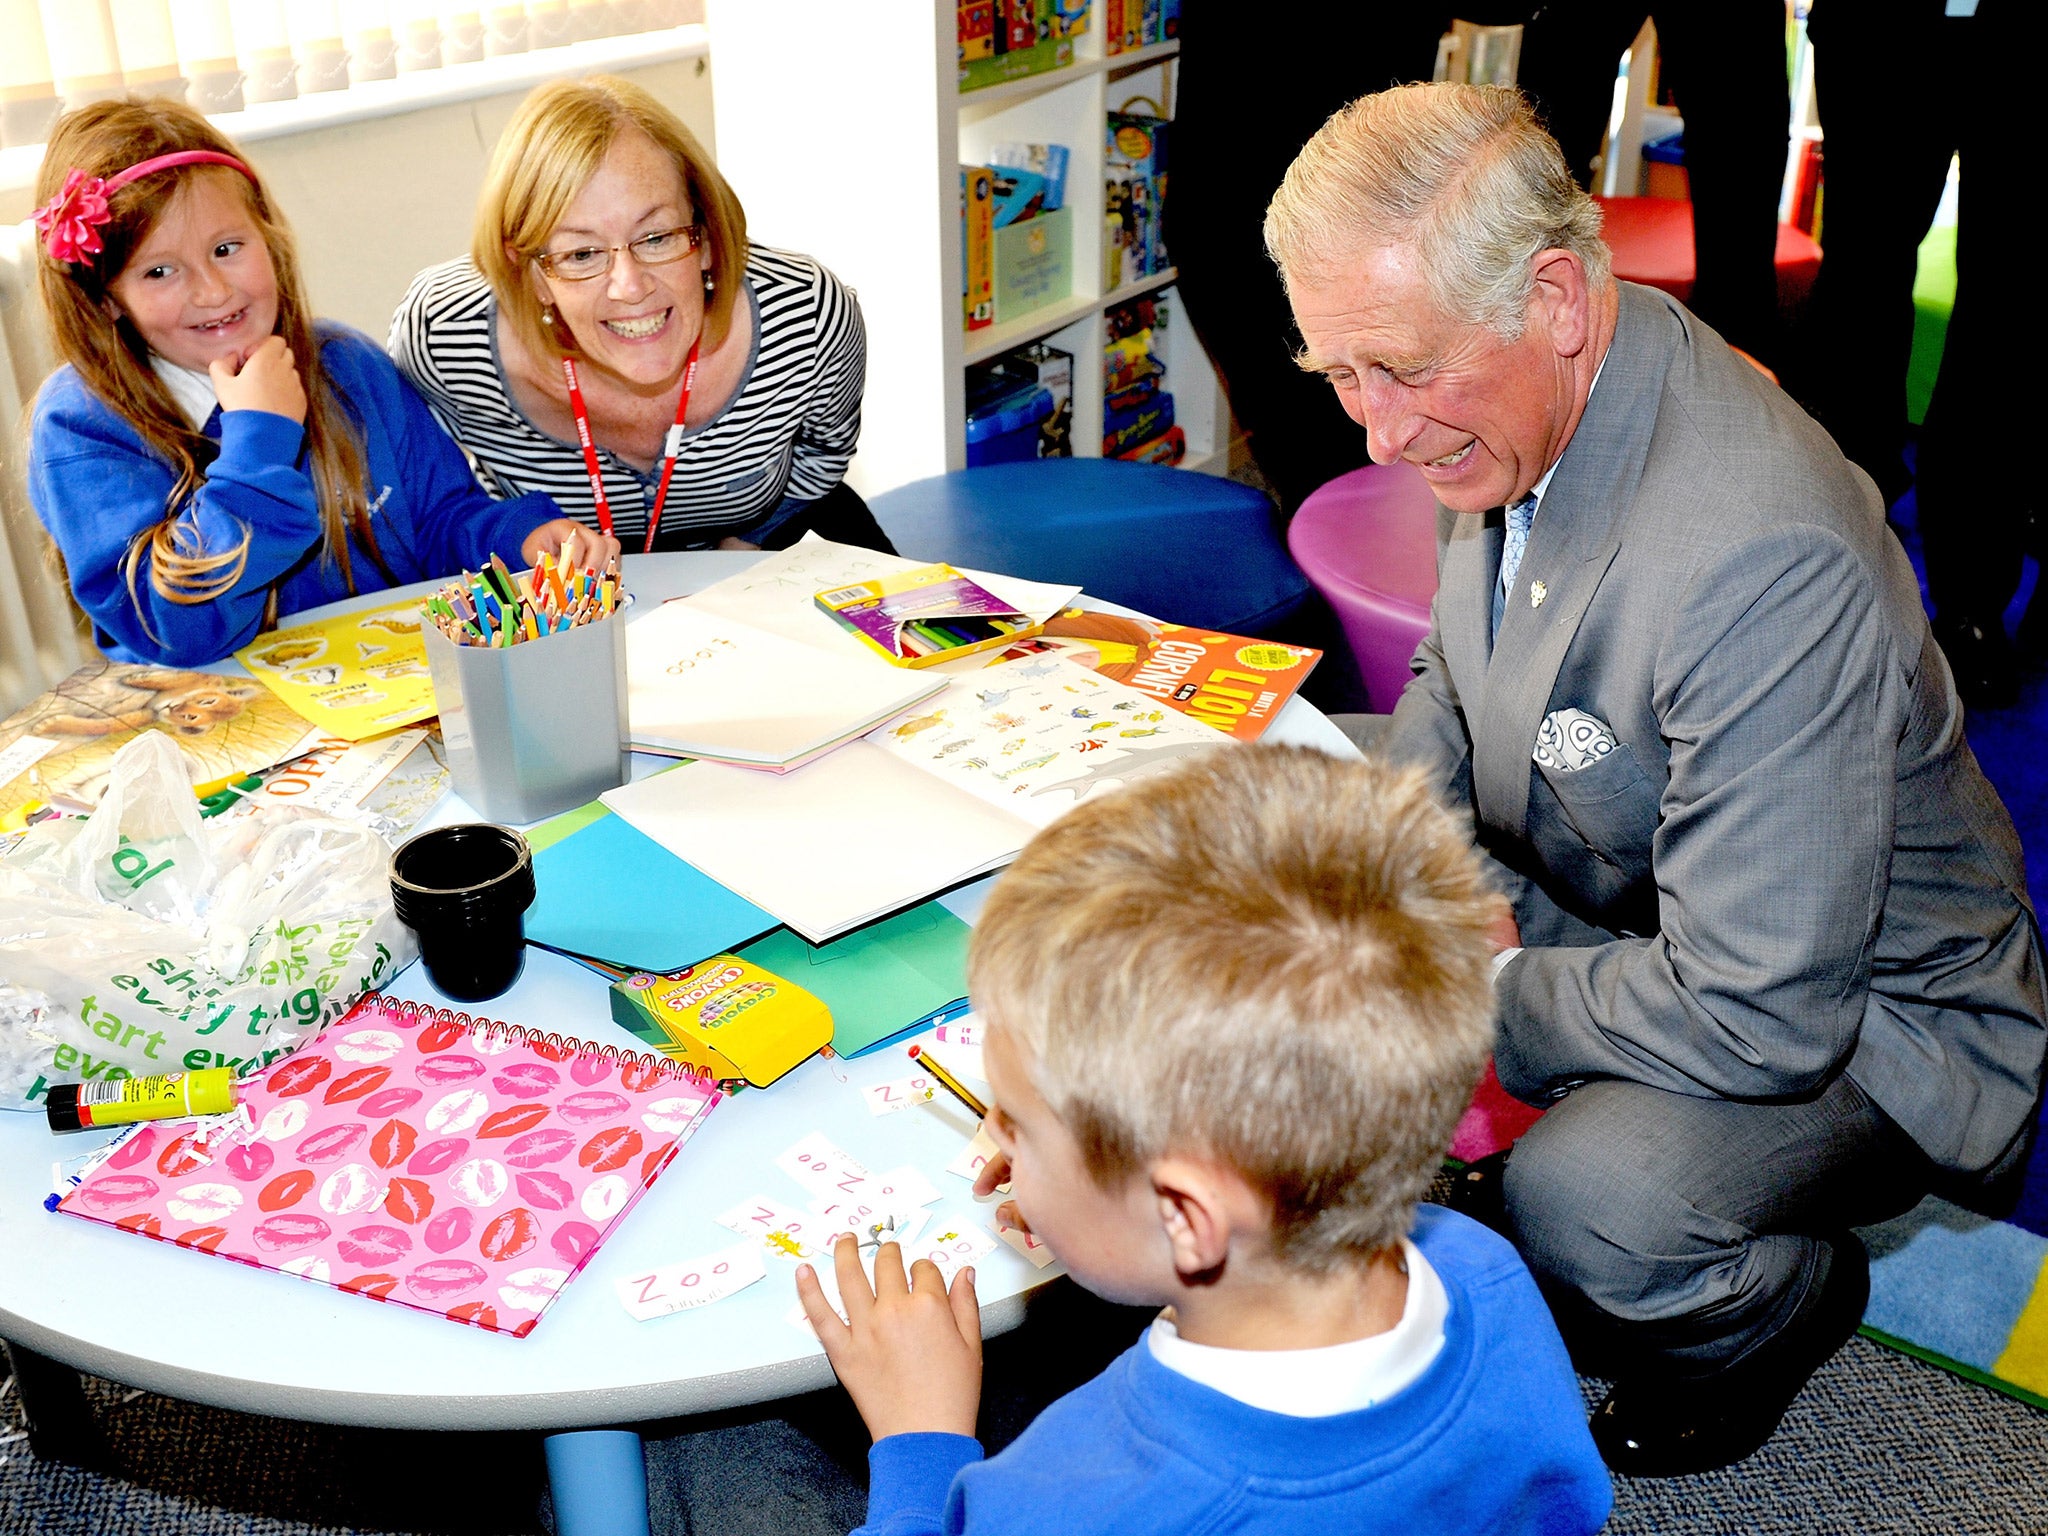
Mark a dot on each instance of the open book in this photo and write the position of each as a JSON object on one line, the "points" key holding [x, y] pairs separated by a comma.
{"points": [[953, 791], [706, 685]]}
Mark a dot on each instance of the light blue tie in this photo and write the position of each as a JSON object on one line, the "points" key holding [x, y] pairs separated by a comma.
{"points": [[1520, 516]]}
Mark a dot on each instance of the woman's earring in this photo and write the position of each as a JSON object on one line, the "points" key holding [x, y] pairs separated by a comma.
{"points": [[710, 285], [547, 316]]}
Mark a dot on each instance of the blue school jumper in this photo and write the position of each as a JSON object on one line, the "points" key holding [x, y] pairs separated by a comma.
{"points": [[1490, 1439], [96, 486]]}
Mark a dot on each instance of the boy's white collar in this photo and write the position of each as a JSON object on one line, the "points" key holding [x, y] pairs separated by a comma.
{"points": [[191, 389], [1317, 1383]]}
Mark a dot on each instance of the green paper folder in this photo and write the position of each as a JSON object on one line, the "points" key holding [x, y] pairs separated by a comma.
{"points": [[879, 981], [605, 890]]}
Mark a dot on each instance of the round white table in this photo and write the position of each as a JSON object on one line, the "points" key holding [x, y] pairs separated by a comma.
{"points": [[187, 1325]]}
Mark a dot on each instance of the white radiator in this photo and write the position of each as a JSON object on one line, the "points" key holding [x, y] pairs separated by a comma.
{"points": [[42, 636]]}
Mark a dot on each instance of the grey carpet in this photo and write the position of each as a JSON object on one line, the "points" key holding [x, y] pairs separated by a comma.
{"points": [[1878, 1443]]}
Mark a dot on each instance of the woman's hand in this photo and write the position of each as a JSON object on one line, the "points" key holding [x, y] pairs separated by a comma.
{"points": [[266, 380], [588, 549], [909, 1352]]}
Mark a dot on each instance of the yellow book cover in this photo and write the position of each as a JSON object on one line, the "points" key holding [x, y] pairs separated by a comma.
{"points": [[978, 185], [356, 675], [55, 751]]}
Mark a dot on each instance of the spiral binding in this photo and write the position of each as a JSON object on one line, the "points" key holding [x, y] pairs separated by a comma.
{"points": [[417, 1014]]}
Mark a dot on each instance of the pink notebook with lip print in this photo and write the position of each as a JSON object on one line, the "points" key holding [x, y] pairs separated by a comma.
{"points": [[459, 1166]]}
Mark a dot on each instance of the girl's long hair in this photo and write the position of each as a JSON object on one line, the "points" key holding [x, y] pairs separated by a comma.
{"points": [[103, 139]]}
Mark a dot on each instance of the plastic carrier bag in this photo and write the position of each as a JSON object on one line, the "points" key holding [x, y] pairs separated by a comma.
{"points": [[142, 939]]}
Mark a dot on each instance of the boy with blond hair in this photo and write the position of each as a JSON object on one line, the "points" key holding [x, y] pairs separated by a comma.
{"points": [[1235, 1011]]}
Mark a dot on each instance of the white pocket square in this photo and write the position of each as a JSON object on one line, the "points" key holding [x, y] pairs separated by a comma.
{"points": [[1571, 739]]}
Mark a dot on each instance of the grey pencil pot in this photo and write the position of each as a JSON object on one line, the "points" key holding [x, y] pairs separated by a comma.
{"points": [[537, 728]]}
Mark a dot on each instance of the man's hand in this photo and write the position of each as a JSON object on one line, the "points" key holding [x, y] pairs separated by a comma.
{"points": [[909, 1354], [1503, 932], [266, 380], [587, 547]]}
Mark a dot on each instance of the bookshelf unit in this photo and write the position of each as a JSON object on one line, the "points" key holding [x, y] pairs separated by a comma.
{"points": [[843, 128]]}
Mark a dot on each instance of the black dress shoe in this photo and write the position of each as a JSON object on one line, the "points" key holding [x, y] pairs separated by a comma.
{"points": [[1986, 671], [1676, 1428], [1477, 1191]]}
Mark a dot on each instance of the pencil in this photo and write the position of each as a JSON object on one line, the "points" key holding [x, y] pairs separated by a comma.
{"points": [[949, 1082]]}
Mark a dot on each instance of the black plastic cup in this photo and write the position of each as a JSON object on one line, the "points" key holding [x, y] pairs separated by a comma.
{"points": [[465, 890]]}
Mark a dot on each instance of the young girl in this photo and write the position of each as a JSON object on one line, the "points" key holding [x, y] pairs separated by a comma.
{"points": [[208, 458]]}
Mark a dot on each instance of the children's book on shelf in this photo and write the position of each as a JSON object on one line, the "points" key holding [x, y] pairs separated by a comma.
{"points": [[930, 614], [913, 808], [353, 675], [706, 685], [1135, 176], [55, 750], [977, 246], [461, 1167]]}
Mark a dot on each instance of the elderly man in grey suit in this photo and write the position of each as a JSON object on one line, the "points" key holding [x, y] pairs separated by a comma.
{"points": [[1775, 972]]}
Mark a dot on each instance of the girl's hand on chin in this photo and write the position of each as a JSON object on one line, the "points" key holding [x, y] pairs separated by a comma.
{"points": [[266, 380]]}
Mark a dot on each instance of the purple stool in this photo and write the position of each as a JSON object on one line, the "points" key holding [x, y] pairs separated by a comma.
{"points": [[1367, 542]]}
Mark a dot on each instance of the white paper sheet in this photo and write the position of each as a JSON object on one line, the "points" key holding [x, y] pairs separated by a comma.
{"points": [[827, 846]]}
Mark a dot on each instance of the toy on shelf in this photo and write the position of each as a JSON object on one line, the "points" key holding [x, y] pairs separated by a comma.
{"points": [[1021, 406], [1137, 410], [1009, 39]]}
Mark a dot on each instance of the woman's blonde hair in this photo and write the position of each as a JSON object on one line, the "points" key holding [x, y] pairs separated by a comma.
{"points": [[112, 358], [1463, 173], [1265, 956], [552, 147]]}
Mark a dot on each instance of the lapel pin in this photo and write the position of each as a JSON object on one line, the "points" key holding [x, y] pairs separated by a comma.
{"points": [[1537, 592]]}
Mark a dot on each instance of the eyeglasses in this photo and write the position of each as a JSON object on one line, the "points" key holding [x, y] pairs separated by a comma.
{"points": [[653, 249]]}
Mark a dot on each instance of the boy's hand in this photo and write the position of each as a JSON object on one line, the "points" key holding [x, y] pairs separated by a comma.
{"points": [[266, 380], [909, 1354], [1503, 932], [588, 549]]}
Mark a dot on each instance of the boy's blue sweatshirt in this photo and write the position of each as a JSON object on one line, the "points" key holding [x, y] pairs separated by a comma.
{"points": [[96, 486], [1491, 1439]]}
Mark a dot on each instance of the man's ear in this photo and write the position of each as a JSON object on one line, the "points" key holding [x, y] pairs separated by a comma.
{"points": [[1562, 300], [1202, 1206]]}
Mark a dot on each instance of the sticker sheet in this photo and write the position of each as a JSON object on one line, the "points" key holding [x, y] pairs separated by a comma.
{"points": [[1036, 737], [355, 675]]}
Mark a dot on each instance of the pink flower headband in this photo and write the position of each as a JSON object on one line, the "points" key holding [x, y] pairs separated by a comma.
{"points": [[70, 222]]}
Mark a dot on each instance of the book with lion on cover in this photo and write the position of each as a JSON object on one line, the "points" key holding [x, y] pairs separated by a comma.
{"points": [[55, 751]]}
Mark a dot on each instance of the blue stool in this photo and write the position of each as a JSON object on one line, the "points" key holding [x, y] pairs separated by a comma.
{"points": [[597, 1481], [1187, 548]]}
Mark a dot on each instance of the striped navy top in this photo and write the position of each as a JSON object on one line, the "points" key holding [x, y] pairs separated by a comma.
{"points": [[787, 432]]}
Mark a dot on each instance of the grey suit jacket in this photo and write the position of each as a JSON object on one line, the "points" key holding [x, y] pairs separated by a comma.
{"points": [[1791, 865]]}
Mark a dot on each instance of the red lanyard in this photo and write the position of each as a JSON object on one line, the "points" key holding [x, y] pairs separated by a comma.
{"points": [[670, 449]]}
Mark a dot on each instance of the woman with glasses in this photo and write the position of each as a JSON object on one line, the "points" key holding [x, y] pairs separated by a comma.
{"points": [[616, 342]]}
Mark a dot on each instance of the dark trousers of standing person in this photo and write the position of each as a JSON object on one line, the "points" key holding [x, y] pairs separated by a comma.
{"points": [[1249, 96], [1901, 90], [1725, 60]]}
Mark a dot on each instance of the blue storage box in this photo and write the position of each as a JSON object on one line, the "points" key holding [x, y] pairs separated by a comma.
{"points": [[1005, 430]]}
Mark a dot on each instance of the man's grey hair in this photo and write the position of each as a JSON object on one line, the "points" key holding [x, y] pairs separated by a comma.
{"points": [[1463, 174]]}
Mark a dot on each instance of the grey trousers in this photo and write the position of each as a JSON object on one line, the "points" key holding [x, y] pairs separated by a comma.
{"points": [[1674, 1236]]}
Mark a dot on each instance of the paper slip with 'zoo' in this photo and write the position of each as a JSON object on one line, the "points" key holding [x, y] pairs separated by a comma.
{"points": [[692, 1283]]}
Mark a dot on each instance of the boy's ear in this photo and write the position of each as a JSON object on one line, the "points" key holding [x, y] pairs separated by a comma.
{"points": [[1202, 1206]]}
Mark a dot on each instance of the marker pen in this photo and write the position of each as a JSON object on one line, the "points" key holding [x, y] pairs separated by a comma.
{"points": [[82, 1106]]}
